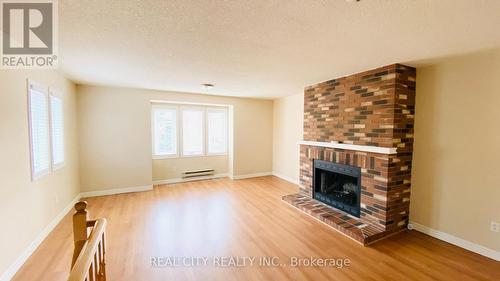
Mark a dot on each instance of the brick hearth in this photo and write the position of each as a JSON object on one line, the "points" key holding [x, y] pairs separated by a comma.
{"points": [[373, 108], [350, 226]]}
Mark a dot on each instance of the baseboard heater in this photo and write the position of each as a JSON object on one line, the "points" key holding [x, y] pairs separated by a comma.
{"points": [[198, 173]]}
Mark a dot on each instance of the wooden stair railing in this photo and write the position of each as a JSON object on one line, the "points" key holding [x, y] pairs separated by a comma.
{"points": [[88, 263]]}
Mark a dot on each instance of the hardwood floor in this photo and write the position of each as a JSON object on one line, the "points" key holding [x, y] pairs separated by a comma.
{"points": [[244, 218]]}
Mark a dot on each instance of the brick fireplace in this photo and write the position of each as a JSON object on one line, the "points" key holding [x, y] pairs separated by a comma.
{"points": [[364, 122]]}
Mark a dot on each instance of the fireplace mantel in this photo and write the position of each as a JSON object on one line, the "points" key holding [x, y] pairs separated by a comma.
{"points": [[365, 148]]}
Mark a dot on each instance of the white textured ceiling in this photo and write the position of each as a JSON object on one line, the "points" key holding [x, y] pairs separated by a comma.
{"points": [[261, 48]]}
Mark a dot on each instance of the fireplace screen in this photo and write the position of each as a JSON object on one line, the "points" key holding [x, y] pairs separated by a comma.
{"points": [[338, 186]]}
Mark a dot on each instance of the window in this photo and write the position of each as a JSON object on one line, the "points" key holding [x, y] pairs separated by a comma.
{"points": [[39, 130], [186, 131], [46, 130], [57, 130], [192, 131], [164, 131], [217, 131]]}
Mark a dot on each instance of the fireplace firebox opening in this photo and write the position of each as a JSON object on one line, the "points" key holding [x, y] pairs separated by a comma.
{"points": [[337, 185]]}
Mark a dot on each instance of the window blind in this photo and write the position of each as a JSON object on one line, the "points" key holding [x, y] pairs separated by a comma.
{"points": [[217, 131], [57, 130], [39, 131], [165, 131], [189, 130], [192, 131]]}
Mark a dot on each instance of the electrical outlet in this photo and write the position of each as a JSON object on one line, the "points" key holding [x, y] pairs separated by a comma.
{"points": [[495, 226]]}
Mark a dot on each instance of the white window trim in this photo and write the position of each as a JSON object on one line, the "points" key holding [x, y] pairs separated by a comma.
{"points": [[179, 107], [181, 137], [44, 90], [165, 156], [57, 94], [216, 109]]}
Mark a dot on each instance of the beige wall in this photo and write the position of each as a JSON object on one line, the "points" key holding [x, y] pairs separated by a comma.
{"points": [[288, 119], [115, 134], [456, 178], [27, 207], [115, 147], [171, 168]]}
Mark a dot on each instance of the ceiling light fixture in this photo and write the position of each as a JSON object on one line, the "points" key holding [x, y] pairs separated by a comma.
{"points": [[207, 86]]}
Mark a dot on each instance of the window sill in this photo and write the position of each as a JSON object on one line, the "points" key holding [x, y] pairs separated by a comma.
{"points": [[39, 175], [56, 167], [217, 154], [160, 157]]}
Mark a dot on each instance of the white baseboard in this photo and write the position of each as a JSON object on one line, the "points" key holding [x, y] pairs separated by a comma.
{"points": [[116, 191], [288, 179], [179, 180], [473, 247], [247, 176], [21, 259]]}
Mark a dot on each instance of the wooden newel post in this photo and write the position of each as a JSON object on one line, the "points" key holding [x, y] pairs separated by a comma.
{"points": [[88, 261], [79, 228]]}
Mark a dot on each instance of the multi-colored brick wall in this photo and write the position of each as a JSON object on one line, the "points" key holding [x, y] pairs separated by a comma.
{"points": [[374, 108]]}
